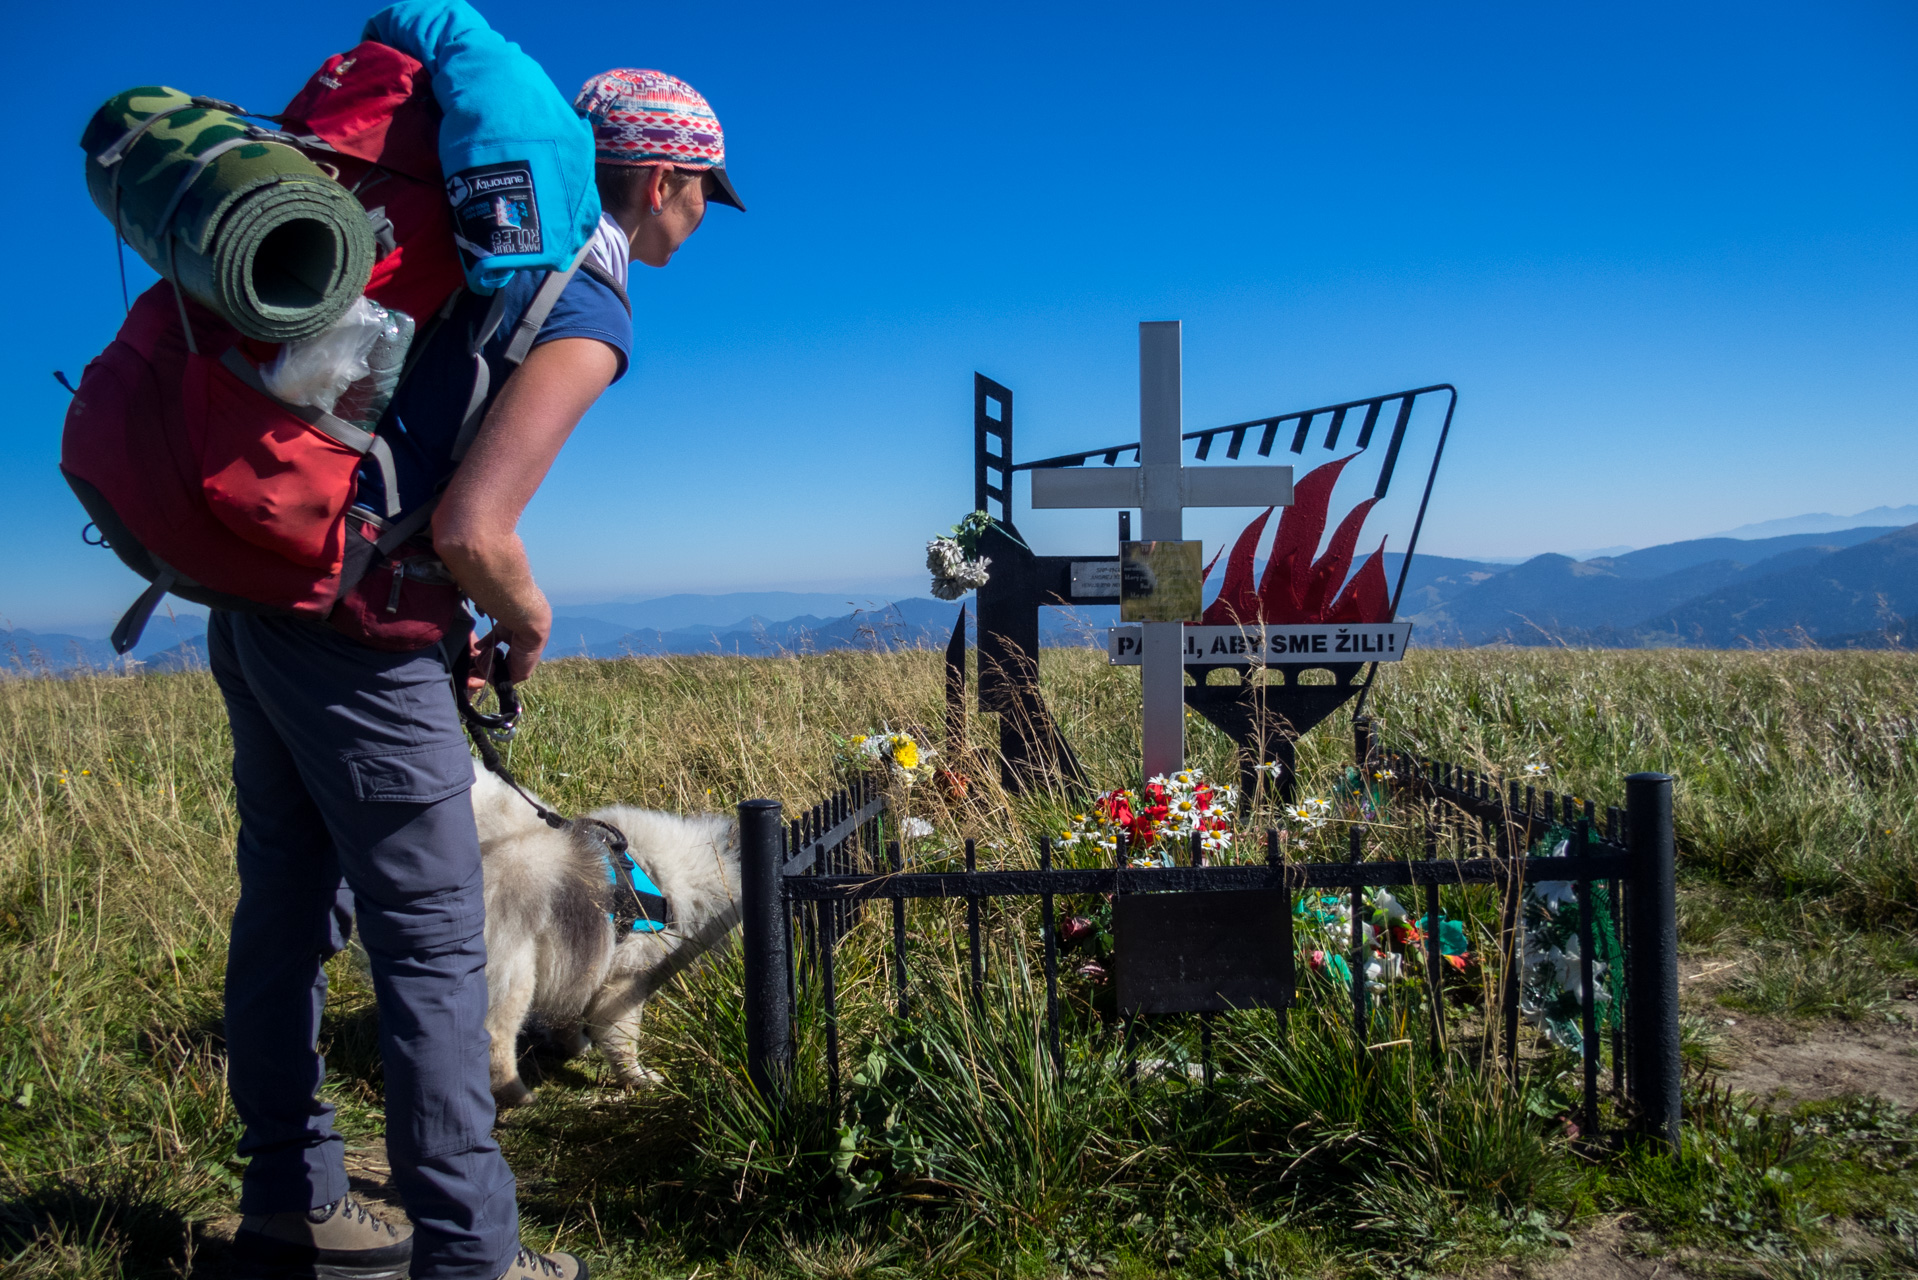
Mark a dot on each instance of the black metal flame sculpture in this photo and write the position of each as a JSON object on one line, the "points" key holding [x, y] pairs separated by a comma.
{"points": [[1266, 710]]}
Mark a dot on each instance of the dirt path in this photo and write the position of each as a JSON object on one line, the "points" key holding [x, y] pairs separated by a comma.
{"points": [[1605, 1251], [1773, 1059], [1769, 1058], [1802, 1061]]}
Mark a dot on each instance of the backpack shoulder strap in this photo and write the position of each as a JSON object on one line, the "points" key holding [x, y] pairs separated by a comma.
{"points": [[517, 348], [605, 277], [538, 309]]}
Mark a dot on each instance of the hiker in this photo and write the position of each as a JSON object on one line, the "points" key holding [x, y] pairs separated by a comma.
{"points": [[350, 761]]}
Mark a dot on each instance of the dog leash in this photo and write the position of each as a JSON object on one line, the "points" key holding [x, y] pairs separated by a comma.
{"points": [[490, 732]]}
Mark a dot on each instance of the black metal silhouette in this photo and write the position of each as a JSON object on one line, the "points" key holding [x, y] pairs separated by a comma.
{"points": [[1263, 710]]}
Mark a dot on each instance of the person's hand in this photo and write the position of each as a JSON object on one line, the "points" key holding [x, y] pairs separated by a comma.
{"points": [[524, 644], [479, 660]]}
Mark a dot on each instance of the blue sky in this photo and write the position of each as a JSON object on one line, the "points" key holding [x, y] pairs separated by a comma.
{"points": [[1666, 252]]}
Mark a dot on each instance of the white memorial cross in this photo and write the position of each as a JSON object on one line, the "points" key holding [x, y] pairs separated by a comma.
{"points": [[1161, 487]]}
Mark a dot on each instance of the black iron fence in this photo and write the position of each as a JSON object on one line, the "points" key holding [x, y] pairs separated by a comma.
{"points": [[1206, 938]]}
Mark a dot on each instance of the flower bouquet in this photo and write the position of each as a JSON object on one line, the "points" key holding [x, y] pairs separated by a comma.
{"points": [[898, 752], [954, 560], [1158, 820], [1394, 943]]}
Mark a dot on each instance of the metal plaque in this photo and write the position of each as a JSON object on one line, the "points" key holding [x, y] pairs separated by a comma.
{"points": [[1303, 644], [1161, 582], [1095, 578], [1193, 952]]}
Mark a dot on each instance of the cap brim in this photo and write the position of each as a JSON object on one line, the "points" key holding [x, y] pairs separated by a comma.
{"points": [[719, 189]]}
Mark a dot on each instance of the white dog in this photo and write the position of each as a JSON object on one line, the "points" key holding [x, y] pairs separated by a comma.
{"points": [[553, 949]]}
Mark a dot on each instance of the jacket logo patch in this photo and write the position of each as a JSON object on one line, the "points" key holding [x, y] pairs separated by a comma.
{"points": [[494, 209]]}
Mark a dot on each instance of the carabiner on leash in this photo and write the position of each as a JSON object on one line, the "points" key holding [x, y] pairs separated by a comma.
{"points": [[502, 724]]}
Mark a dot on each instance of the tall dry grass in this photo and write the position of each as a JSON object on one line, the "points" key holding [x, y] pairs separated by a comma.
{"points": [[1795, 773]]}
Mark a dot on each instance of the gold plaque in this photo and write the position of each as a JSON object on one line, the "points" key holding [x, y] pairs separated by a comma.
{"points": [[1160, 582]]}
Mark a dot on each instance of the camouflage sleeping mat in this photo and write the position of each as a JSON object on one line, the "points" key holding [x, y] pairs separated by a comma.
{"points": [[242, 223]]}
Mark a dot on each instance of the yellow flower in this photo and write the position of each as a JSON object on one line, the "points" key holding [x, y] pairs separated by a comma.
{"points": [[905, 752]]}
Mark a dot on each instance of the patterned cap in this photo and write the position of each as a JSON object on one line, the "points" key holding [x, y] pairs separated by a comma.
{"points": [[651, 118]]}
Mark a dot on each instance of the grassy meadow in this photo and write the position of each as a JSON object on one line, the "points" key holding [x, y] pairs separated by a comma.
{"points": [[958, 1150]]}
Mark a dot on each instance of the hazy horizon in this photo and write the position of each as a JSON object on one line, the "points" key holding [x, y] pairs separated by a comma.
{"points": [[913, 586]]}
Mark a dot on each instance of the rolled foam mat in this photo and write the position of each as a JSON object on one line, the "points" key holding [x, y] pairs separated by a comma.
{"points": [[258, 232]]}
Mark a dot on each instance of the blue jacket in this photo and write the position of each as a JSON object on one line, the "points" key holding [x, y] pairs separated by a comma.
{"points": [[518, 160]]}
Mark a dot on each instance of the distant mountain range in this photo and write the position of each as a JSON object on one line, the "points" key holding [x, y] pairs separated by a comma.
{"points": [[168, 644], [1849, 588], [1823, 522], [903, 624], [673, 613], [1846, 589], [899, 624]]}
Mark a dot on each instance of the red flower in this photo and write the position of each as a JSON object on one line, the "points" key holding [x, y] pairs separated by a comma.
{"points": [[1093, 972], [1403, 933], [1317, 963], [956, 785], [1074, 928]]}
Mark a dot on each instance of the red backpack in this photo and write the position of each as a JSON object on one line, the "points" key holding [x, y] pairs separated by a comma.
{"points": [[210, 488]]}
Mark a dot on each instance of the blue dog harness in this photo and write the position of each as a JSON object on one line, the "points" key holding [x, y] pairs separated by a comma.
{"points": [[638, 905]]}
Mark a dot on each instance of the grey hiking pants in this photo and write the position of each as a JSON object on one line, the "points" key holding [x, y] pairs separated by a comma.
{"points": [[352, 776]]}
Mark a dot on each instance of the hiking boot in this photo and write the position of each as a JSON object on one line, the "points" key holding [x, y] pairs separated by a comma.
{"points": [[338, 1241], [528, 1265]]}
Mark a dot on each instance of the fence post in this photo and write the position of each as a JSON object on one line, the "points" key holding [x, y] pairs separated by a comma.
{"points": [[769, 1044], [956, 690], [1651, 1001]]}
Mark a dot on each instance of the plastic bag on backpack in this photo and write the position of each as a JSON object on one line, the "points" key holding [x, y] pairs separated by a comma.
{"points": [[315, 371], [364, 403]]}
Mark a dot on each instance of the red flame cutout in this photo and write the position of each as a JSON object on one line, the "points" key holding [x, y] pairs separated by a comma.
{"points": [[1329, 574], [1366, 598], [1282, 592], [1296, 587], [1237, 601]]}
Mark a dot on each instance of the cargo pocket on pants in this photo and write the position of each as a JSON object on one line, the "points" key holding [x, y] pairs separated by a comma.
{"points": [[411, 775]]}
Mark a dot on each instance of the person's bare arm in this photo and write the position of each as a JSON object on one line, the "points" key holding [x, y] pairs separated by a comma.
{"points": [[475, 527]]}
